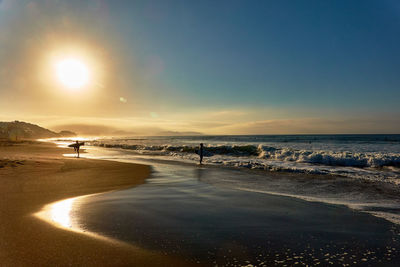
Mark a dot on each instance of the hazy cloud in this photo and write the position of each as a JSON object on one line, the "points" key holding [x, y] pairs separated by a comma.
{"points": [[313, 126]]}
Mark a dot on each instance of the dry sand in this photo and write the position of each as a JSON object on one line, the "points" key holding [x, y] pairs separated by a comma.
{"points": [[33, 174]]}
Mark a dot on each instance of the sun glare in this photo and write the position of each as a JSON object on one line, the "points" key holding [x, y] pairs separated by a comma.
{"points": [[60, 212], [72, 73]]}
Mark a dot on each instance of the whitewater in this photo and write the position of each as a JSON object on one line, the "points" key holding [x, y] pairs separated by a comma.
{"points": [[373, 157]]}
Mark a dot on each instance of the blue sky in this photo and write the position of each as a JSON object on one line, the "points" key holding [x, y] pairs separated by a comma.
{"points": [[336, 53], [272, 62]]}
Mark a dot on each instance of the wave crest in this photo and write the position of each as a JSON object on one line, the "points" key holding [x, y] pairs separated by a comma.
{"points": [[321, 157]]}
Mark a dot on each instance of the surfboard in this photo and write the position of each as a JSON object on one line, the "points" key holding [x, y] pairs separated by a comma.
{"points": [[76, 144]]}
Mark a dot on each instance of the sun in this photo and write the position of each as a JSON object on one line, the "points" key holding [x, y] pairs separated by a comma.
{"points": [[72, 73]]}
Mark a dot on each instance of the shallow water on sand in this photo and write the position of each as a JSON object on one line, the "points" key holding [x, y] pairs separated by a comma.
{"points": [[177, 212]]}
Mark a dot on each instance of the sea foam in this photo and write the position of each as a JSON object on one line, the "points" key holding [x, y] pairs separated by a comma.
{"points": [[323, 159]]}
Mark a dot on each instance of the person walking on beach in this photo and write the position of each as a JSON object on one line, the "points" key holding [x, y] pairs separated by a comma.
{"points": [[201, 153], [76, 148]]}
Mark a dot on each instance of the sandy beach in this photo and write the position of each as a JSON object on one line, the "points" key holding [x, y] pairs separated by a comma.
{"points": [[34, 174]]}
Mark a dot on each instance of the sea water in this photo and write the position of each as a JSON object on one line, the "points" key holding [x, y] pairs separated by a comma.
{"points": [[373, 157], [226, 217], [359, 171], [232, 211]]}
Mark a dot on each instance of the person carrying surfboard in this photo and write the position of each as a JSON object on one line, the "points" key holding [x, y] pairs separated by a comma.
{"points": [[76, 146]]}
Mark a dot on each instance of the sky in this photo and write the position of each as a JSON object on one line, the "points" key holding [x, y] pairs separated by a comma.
{"points": [[210, 67]]}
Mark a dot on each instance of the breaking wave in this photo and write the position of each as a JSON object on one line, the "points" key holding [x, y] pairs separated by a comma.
{"points": [[320, 157]]}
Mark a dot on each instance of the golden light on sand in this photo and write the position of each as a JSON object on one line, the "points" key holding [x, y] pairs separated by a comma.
{"points": [[60, 212], [72, 73]]}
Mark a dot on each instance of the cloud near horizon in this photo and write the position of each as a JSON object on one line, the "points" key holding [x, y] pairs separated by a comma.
{"points": [[314, 126]]}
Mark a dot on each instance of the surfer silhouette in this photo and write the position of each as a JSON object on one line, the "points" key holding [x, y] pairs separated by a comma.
{"points": [[76, 146], [201, 153]]}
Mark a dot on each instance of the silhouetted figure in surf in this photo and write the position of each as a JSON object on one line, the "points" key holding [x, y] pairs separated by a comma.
{"points": [[76, 148], [201, 153]]}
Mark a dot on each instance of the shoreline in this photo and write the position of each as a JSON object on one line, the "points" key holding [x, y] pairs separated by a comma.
{"points": [[179, 213], [382, 193], [62, 219], [39, 176], [35, 174]]}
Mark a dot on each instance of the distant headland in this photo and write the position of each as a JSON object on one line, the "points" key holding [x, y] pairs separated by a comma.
{"points": [[17, 130]]}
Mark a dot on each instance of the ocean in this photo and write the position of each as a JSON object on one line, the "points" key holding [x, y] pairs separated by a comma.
{"points": [[261, 200], [361, 172], [374, 157]]}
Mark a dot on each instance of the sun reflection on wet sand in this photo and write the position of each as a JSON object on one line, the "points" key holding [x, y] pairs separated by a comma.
{"points": [[60, 212]]}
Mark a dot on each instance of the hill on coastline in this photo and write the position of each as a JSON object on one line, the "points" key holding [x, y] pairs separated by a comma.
{"points": [[16, 130]]}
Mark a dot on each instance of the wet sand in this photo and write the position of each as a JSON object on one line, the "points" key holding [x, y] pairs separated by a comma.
{"points": [[181, 212], [34, 174]]}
